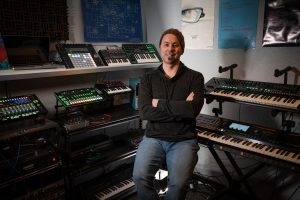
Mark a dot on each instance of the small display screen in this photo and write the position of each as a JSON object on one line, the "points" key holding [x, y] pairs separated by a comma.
{"points": [[239, 127]]}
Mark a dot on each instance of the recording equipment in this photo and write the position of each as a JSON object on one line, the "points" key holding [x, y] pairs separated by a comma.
{"points": [[20, 107], [262, 143], [79, 55], [74, 121], [78, 97], [113, 87], [281, 96], [26, 50], [114, 56], [141, 53], [27, 149]]}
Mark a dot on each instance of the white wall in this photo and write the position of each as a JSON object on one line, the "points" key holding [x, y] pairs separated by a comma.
{"points": [[256, 64], [253, 64]]}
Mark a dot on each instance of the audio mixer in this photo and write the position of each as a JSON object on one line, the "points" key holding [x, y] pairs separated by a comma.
{"points": [[78, 97], [19, 107]]}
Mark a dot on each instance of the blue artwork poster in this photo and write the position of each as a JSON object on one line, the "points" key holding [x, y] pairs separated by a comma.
{"points": [[237, 23], [112, 21]]}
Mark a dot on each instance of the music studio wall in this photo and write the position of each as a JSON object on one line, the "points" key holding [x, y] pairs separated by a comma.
{"points": [[256, 64]]}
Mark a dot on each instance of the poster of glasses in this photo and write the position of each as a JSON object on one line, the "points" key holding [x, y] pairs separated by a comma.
{"points": [[281, 23], [197, 21]]}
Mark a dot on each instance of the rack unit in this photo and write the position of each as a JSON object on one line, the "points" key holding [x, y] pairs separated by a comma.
{"points": [[29, 153], [91, 171]]}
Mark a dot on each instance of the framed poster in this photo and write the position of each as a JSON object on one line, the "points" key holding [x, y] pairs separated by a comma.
{"points": [[197, 23], [281, 23], [112, 21], [237, 24]]}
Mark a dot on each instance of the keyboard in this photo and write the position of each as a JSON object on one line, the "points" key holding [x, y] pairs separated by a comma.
{"points": [[266, 144], [274, 95], [141, 53], [114, 56], [116, 189], [113, 87]]}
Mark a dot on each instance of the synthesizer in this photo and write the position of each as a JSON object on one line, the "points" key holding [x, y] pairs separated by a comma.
{"points": [[114, 56], [260, 142], [115, 189], [20, 107], [79, 55], [117, 184], [286, 97], [78, 97], [141, 53], [113, 87]]}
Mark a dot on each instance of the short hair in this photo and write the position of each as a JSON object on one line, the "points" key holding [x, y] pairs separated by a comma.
{"points": [[178, 35]]}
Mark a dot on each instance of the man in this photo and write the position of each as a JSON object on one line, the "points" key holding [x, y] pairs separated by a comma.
{"points": [[170, 98]]}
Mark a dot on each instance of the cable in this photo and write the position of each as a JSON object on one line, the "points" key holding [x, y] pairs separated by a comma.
{"points": [[104, 118], [9, 164], [18, 155], [293, 193]]}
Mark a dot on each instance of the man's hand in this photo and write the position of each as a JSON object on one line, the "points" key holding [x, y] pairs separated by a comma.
{"points": [[155, 102], [190, 97]]}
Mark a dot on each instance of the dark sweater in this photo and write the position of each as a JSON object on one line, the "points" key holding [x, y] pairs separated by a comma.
{"points": [[174, 118]]}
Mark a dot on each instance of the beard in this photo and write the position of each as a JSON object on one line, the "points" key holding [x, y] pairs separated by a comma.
{"points": [[171, 58]]}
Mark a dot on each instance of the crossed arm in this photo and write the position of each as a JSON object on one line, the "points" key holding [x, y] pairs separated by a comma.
{"points": [[189, 98], [168, 110]]}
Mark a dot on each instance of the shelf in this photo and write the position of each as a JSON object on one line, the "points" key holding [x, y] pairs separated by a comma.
{"points": [[10, 74], [119, 115]]}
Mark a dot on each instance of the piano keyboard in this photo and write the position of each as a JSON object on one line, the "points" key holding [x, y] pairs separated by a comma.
{"points": [[141, 53], [252, 146], [114, 190], [117, 90], [261, 142], [282, 96], [276, 101], [146, 58], [113, 87], [114, 57], [117, 62]]}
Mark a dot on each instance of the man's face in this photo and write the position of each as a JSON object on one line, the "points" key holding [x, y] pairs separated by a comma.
{"points": [[170, 49]]}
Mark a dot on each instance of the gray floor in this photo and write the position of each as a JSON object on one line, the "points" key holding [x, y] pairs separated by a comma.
{"points": [[269, 183]]}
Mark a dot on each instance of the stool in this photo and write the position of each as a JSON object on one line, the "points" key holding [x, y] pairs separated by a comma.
{"points": [[161, 180]]}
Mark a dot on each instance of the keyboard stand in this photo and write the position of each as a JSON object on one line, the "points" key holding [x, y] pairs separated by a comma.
{"points": [[289, 124], [233, 184]]}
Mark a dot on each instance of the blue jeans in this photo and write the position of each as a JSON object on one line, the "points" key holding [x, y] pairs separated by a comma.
{"points": [[181, 159]]}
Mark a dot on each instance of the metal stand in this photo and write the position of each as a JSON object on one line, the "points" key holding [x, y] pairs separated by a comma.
{"points": [[289, 124], [233, 184], [219, 111]]}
